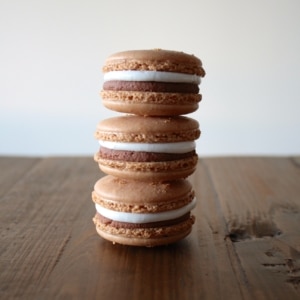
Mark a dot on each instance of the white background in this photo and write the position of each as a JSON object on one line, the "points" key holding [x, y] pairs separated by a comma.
{"points": [[51, 54]]}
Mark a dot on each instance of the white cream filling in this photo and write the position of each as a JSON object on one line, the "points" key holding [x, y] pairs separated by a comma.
{"points": [[144, 217], [152, 76], [179, 147]]}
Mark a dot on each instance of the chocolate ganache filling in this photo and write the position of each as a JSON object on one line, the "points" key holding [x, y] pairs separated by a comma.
{"points": [[135, 156], [151, 86]]}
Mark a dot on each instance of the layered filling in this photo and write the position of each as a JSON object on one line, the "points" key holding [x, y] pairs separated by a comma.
{"points": [[144, 152], [129, 217], [132, 156], [150, 86], [178, 147], [158, 76], [151, 81], [121, 225], [142, 218]]}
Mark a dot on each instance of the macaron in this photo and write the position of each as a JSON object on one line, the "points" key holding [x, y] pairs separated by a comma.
{"points": [[143, 213], [152, 82], [147, 148]]}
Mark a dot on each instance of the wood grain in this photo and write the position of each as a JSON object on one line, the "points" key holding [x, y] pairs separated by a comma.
{"points": [[260, 203], [37, 216], [245, 243]]}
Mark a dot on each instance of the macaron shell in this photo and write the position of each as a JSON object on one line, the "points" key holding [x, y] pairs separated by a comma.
{"points": [[147, 237], [114, 188], [154, 60], [141, 197], [151, 109], [149, 171], [151, 104], [133, 128]]}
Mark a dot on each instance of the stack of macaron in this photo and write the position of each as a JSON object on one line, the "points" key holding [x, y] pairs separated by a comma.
{"points": [[149, 149]]}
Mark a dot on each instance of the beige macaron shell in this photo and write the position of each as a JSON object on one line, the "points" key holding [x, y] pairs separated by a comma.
{"points": [[150, 103], [149, 171], [154, 60], [151, 109], [140, 129], [160, 237], [138, 196]]}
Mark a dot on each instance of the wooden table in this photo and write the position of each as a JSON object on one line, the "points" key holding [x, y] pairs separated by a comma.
{"points": [[245, 243]]}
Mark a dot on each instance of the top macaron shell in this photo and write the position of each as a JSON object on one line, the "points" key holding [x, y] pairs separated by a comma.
{"points": [[139, 129], [142, 197], [154, 60], [152, 82]]}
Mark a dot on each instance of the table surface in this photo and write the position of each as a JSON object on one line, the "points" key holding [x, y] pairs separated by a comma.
{"points": [[245, 243]]}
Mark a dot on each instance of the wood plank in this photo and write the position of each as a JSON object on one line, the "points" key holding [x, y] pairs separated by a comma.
{"points": [[12, 169], [259, 198], [37, 216]]}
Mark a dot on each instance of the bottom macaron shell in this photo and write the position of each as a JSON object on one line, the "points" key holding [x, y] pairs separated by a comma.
{"points": [[154, 242], [147, 237], [151, 109], [156, 171]]}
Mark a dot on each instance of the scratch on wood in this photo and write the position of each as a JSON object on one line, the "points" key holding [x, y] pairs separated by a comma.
{"points": [[274, 265], [289, 263], [61, 251], [294, 280]]}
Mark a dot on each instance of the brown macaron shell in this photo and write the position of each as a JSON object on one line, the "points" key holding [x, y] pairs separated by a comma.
{"points": [[153, 171], [141, 197], [138, 129], [152, 98], [150, 103], [148, 237], [154, 60]]}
